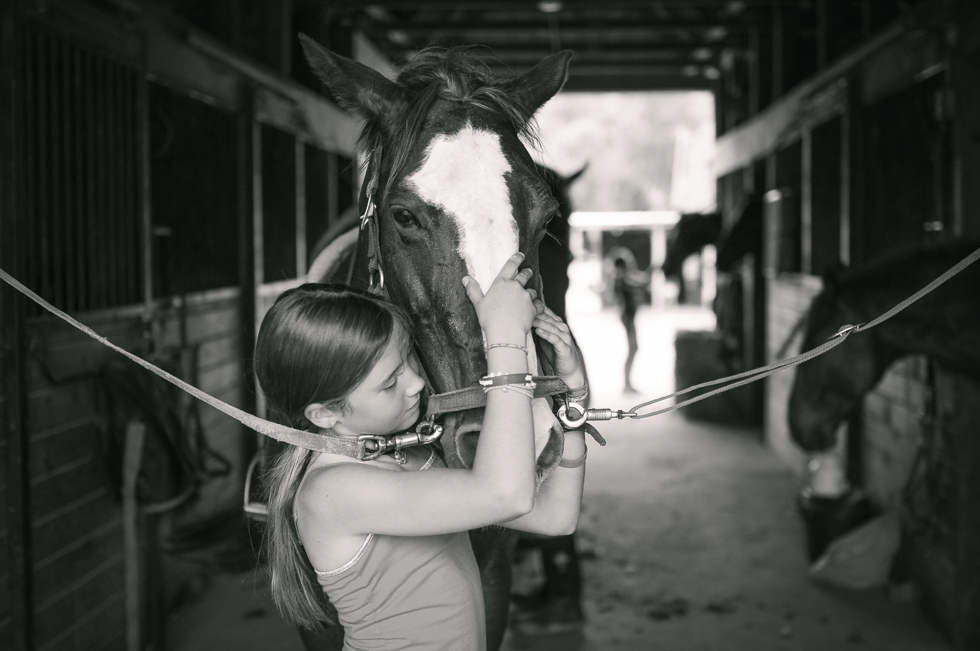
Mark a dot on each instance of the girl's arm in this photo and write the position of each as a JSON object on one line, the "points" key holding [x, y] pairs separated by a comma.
{"points": [[559, 501], [359, 498], [557, 506]]}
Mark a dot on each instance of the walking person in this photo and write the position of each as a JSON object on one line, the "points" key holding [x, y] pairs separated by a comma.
{"points": [[628, 283]]}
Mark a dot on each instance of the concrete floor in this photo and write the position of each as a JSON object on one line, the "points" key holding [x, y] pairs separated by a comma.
{"points": [[693, 539]]}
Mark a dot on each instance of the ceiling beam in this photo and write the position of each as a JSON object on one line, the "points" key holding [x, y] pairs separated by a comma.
{"points": [[569, 37], [445, 5], [651, 22], [617, 55]]}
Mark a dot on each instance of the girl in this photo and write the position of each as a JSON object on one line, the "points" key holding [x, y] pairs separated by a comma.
{"points": [[387, 542]]}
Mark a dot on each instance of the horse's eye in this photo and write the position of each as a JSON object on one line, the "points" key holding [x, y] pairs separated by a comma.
{"points": [[404, 217]]}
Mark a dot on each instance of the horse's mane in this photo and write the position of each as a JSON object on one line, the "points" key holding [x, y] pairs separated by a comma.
{"points": [[457, 74]]}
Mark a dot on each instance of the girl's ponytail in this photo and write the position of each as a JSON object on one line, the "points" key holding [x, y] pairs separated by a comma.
{"points": [[294, 586]]}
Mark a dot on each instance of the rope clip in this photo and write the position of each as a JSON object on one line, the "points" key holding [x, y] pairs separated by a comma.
{"points": [[589, 414], [426, 433], [845, 330]]}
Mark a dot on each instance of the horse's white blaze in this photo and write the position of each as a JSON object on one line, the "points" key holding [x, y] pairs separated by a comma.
{"points": [[463, 174]]}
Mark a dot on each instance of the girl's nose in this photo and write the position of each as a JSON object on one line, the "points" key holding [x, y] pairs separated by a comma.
{"points": [[415, 383]]}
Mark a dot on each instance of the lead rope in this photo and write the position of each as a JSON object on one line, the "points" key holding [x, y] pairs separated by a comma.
{"points": [[753, 375], [358, 449]]}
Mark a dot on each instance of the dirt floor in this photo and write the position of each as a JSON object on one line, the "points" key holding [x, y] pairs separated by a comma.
{"points": [[691, 538]]}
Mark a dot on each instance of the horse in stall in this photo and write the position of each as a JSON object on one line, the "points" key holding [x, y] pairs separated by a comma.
{"points": [[691, 233], [456, 193], [944, 325]]}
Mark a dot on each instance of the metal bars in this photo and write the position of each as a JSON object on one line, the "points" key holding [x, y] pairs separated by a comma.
{"points": [[81, 173]]}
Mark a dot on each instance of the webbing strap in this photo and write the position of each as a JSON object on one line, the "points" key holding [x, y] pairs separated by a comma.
{"points": [[474, 397], [307, 440]]}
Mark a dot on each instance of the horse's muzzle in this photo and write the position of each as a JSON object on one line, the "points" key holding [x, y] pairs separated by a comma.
{"points": [[462, 432]]}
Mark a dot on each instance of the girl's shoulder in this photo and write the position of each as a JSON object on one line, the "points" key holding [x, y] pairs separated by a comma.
{"points": [[331, 477]]}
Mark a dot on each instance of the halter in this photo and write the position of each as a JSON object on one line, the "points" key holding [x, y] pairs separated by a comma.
{"points": [[439, 404]]}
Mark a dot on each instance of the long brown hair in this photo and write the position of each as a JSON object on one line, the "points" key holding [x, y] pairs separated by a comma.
{"points": [[316, 344]]}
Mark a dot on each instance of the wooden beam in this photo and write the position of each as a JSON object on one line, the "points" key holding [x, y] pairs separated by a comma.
{"points": [[648, 22], [965, 72], [12, 349], [612, 53], [523, 4], [570, 37], [609, 81], [758, 136], [300, 177]]}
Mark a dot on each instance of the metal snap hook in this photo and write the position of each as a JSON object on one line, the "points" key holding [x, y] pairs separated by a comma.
{"points": [[569, 422]]}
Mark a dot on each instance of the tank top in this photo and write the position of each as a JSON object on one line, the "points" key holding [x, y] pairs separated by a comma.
{"points": [[409, 592]]}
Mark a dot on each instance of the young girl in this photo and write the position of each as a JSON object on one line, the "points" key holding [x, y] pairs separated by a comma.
{"points": [[387, 542]]}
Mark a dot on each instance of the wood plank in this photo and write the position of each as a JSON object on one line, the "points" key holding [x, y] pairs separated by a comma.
{"points": [[65, 488], [79, 515], [219, 352], [55, 407], [77, 359], [220, 377], [74, 564], [80, 622], [66, 449]]}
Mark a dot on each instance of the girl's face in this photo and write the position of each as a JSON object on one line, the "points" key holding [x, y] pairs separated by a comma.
{"points": [[387, 400]]}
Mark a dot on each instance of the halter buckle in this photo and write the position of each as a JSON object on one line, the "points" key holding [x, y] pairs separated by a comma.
{"points": [[381, 279]]}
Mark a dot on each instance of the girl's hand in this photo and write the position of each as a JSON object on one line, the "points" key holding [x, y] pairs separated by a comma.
{"points": [[568, 361], [506, 311]]}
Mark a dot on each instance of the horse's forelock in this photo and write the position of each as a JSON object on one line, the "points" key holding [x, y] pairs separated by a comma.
{"points": [[459, 75]]}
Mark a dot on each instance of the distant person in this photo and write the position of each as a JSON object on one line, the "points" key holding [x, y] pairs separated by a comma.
{"points": [[628, 283]]}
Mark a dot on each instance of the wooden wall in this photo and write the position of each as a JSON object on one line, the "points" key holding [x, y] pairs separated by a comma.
{"points": [[789, 298], [193, 275], [77, 578]]}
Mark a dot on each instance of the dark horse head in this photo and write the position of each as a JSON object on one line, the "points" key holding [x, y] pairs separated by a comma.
{"points": [[944, 324], [689, 235], [457, 194]]}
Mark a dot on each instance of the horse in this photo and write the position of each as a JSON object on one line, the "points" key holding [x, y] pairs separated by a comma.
{"points": [[455, 193], [333, 258], [691, 233], [554, 252], [944, 324]]}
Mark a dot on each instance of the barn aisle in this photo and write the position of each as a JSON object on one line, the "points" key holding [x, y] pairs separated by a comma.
{"points": [[689, 531], [690, 537]]}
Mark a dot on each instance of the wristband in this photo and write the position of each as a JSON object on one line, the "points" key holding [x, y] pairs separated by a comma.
{"points": [[579, 394], [523, 349], [574, 463], [523, 389]]}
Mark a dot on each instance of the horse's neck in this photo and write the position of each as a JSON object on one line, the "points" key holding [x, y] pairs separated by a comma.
{"points": [[944, 325]]}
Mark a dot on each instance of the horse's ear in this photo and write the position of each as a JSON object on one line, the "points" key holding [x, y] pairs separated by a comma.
{"points": [[833, 276], [356, 87], [543, 81], [571, 178]]}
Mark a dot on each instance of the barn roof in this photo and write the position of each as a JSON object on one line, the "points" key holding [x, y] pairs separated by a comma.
{"points": [[618, 44]]}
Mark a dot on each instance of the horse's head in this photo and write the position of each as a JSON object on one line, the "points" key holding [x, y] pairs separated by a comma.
{"points": [[689, 235], [457, 194], [829, 388]]}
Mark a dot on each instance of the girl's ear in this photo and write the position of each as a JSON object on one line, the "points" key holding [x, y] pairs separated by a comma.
{"points": [[356, 87], [321, 415]]}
